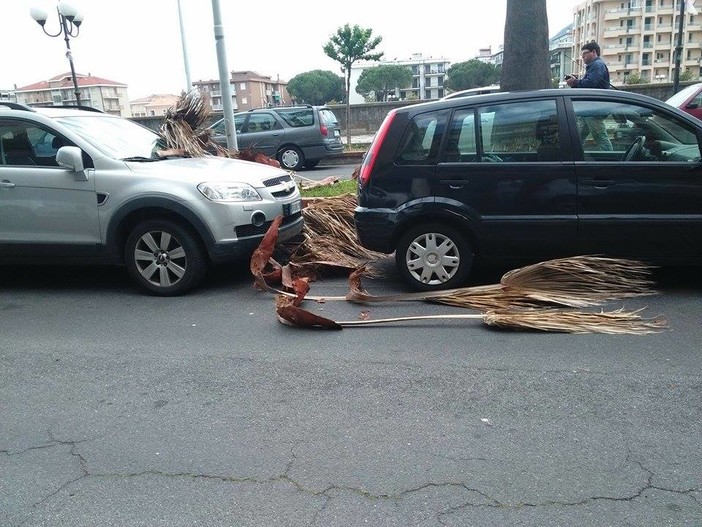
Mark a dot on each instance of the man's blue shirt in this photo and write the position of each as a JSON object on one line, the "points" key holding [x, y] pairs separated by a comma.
{"points": [[596, 75]]}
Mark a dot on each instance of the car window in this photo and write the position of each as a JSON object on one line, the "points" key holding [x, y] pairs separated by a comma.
{"points": [[421, 140], [461, 144], [328, 117], [527, 131], [261, 122], [27, 144], [297, 117], [629, 132]]}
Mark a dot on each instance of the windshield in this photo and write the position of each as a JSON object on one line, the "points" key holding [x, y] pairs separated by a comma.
{"points": [[115, 137]]}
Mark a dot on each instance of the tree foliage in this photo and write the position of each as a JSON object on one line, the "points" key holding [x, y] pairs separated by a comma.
{"points": [[525, 63], [347, 46], [317, 87], [380, 80], [634, 77], [471, 74]]}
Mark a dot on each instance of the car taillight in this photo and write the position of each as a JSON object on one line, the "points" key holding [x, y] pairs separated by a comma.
{"points": [[323, 129], [371, 155]]}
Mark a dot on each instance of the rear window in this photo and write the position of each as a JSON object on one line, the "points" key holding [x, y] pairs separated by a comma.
{"points": [[421, 140], [328, 117], [297, 117]]}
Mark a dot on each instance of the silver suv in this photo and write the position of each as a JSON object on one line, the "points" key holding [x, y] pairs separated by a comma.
{"points": [[297, 136], [81, 186]]}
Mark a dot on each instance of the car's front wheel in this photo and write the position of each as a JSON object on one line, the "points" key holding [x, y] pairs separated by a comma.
{"points": [[164, 258], [291, 158], [433, 257]]}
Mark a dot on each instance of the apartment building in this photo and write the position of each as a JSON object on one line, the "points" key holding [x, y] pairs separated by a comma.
{"points": [[560, 48], [428, 77], [103, 94], [639, 36], [213, 91], [153, 105], [249, 90]]}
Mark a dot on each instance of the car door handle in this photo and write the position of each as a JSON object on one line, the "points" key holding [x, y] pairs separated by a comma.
{"points": [[600, 183], [6, 184]]}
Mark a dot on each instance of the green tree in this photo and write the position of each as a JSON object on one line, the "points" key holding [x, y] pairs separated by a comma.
{"points": [[525, 64], [687, 75], [380, 80], [317, 87], [634, 78], [471, 74], [347, 46]]}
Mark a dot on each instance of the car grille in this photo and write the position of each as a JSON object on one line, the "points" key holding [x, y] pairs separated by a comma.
{"points": [[277, 180], [242, 231]]}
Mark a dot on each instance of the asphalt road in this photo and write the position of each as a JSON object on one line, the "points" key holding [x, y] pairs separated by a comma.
{"points": [[119, 409]]}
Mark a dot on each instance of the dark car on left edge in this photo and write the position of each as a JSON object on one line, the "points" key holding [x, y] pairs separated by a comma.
{"points": [[531, 176]]}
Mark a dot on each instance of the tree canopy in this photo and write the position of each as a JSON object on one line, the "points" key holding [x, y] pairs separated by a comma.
{"points": [[382, 79], [347, 46], [471, 74], [317, 87]]}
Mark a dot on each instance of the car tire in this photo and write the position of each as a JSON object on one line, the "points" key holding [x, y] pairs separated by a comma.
{"points": [[291, 158], [164, 258], [433, 257], [311, 163]]}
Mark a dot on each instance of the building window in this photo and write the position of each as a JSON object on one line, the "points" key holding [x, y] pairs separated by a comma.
{"points": [[242, 85]]}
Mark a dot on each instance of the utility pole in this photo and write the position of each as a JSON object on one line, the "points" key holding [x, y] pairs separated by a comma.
{"points": [[224, 85], [679, 49], [189, 85]]}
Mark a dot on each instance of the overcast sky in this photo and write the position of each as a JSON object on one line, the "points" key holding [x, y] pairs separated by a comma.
{"points": [[137, 42]]}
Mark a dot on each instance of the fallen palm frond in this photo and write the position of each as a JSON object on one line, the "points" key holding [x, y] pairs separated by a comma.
{"points": [[618, 322], [184, 124], [579, 281], [329, 235]]}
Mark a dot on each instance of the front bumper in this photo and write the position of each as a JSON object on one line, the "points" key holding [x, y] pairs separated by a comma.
{"points": [[245, 245]]}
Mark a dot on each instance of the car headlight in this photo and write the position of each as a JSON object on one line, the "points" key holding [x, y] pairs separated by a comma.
{"points": [[229, 192]]}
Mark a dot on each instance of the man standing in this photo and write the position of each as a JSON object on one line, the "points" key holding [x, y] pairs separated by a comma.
{"points": [[596, 76]]}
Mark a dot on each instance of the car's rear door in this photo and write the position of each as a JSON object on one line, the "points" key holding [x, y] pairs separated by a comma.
{"points": [[644, 197], [508, 166]]}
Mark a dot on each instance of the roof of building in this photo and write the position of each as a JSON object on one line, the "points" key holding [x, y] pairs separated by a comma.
{"points": [[65, 81], [156, 100]]}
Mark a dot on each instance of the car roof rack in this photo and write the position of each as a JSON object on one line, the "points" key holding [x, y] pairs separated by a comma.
{"points": [[74, 107], [16, 106], [21, 106]]}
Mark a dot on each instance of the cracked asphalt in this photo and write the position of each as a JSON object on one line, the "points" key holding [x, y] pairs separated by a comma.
{"points": [[118, 409]]}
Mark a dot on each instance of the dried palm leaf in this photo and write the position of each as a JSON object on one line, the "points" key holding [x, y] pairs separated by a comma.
{"points": [[618, 322], [581, 280], [183, 121], [329, 235]]}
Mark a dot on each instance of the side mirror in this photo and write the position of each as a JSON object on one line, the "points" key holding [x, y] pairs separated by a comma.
{"points": [[71, 157]]}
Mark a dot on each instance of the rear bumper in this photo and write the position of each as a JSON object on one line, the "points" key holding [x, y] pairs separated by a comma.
{"points": [[375, 229]]}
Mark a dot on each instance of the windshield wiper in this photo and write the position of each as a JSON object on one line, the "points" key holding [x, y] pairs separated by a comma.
{"points": [[141, 159]]}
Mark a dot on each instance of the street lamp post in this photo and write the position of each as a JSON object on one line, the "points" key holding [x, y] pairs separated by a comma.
{"points": [[69, 26]]}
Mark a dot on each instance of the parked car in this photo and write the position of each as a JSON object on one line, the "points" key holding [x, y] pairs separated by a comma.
{"points": [[80, 186], [689, 100], [297, 136], [494, 88], [518, 176]]}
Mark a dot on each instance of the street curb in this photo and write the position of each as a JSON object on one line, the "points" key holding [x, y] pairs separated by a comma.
{"points": [[347, 158]]}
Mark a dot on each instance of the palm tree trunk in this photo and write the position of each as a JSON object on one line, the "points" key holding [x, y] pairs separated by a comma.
{"points": [[525, 63]]}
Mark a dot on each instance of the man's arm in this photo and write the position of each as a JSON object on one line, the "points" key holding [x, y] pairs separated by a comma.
{"points": [[595, 77]]}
